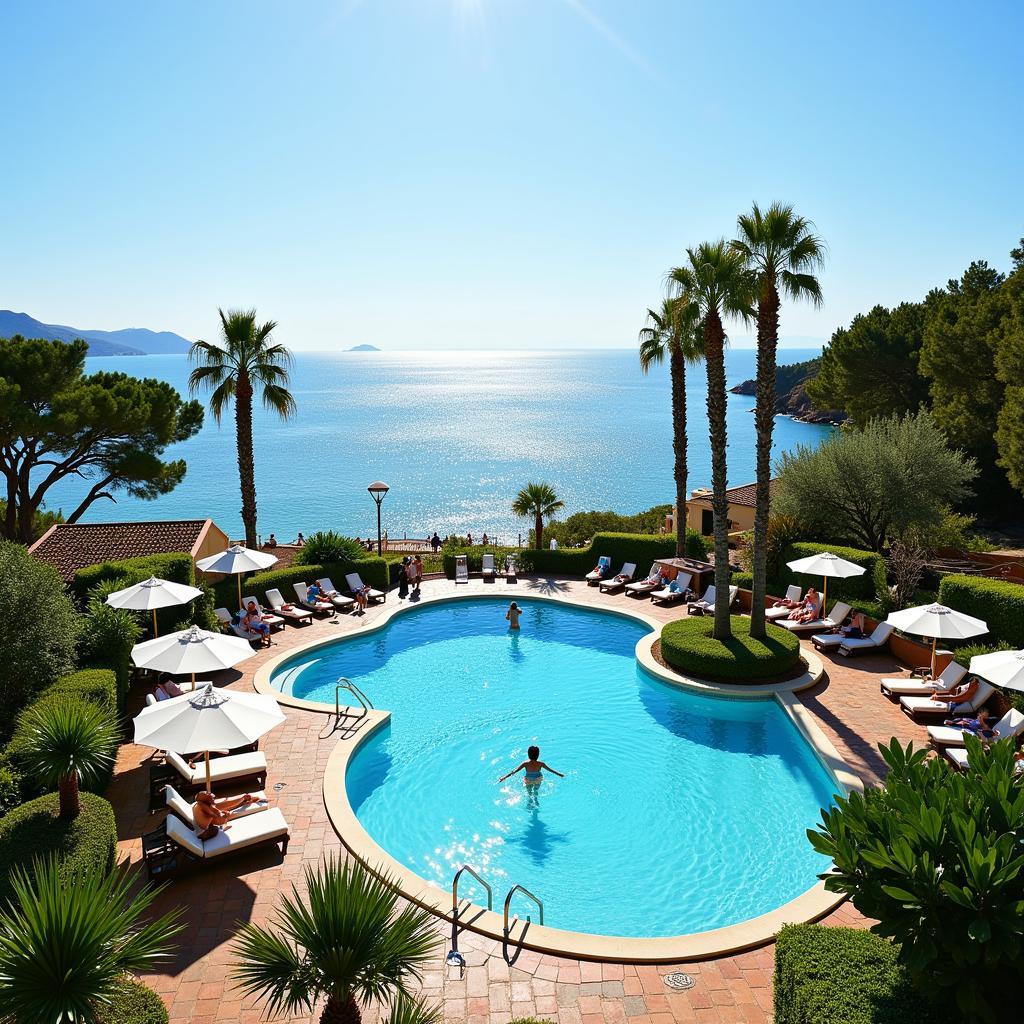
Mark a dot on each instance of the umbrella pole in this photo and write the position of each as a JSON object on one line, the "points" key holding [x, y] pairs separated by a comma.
{"points": [[238, 577], [208, 787], [935, 641], [154, 622], [824, 598]]}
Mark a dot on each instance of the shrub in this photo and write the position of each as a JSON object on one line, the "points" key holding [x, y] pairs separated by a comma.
{"points": [[82, 844], [133, 1003], [328, 547], [867, 587], [933, 856], [999, 603], [844, 976], [640, 548], [688, 646], [374, 573], [10, 786], [40, 630], [108, 636]]}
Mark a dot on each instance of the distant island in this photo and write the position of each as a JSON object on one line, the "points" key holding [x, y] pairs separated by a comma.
{"points": [[364, 348], [132, 341]]}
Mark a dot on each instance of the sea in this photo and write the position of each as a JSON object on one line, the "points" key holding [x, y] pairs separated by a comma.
{"points": [[455, 435]]}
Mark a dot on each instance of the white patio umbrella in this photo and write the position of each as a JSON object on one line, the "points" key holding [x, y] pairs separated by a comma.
{"points": [[191, 650], [208, 720], [236, 560], [937, 622], [826, 564], [1003, 668], [151, 594]]}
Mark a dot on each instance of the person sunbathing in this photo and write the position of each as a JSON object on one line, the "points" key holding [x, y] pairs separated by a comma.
{"points": [[361, 596], [958, 697], [212, 816], [809, 608], [980, 726], [601, 570], [253, 624], [855, 630]]}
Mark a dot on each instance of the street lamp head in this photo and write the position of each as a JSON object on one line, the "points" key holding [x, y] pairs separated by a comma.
{"points": [[378, 489]]}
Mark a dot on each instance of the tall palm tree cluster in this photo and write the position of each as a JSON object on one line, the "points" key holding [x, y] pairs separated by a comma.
{"points": [[775, 252]]}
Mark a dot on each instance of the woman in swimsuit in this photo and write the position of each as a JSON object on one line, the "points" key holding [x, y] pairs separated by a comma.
{"points": [[534, 768], [512, 615]]}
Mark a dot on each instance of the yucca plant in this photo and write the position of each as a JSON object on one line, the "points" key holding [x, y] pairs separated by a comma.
{"points": [[539, 501], [348, 943], [66, 944], [69, 743]]}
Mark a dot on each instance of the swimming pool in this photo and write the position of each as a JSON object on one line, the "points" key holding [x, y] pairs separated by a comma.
{"points": [[680, 811]]}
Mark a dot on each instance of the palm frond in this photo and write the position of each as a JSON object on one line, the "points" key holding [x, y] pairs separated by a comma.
{"points": [[69, 738]]}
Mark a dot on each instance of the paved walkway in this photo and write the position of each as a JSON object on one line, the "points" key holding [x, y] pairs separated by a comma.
{"points": [[196, 983]]}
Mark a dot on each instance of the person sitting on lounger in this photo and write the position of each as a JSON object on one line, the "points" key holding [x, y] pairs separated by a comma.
{"points": [[253, 624], [809, 609], [211, 815], [980, 726], [788, 602], [959, 697], [534, 768], [855, 630], [166, 688], [361, 596], [601, 569]]}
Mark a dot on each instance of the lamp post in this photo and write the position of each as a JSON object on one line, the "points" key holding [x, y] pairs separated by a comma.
{"points": [[378, 489]]}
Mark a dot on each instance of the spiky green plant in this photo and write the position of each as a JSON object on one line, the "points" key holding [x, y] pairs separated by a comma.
{"points": [[348, 943], [68, 744], [539, 501], [64, 945]]}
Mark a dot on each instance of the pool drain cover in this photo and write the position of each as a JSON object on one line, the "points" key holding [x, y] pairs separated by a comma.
{"points": [[680, 981]]}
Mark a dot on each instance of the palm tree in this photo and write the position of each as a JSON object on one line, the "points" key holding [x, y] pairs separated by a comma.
{"points": [[349, 944], [69, 743], [245, 360], [539, 501], [65, 945], [782, 251], [674, 329], [715, 280]]}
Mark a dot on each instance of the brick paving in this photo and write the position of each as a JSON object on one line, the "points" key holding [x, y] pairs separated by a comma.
{"points": [[196, 985]]}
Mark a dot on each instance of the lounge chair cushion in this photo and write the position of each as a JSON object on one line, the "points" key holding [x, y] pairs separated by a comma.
{"points": [[879, 638], [277, 602], [1011, 724], [950, 676], [926, 705], [836, 617], [233, 766], [183, 809], [355, 582], [247, 831], [339, 600]]}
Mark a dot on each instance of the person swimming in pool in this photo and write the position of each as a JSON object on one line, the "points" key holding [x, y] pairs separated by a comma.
{"points": [[513, 613], [534, 768]]}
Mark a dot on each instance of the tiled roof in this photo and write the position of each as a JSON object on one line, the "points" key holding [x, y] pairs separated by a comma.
{"points": [[745, 494], [71, 546]]}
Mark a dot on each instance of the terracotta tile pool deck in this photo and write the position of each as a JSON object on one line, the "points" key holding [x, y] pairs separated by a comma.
{"points": [[196, 985]]}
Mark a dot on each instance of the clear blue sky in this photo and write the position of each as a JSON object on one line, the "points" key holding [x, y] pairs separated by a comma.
{"points": [[494, 173]]}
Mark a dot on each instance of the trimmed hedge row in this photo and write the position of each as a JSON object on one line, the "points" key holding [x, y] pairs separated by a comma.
{"points": [[373, 571], [845, 976], [864, 588], [688, 646], [87, 843], [641, 548], [132, 1002], [999, 603]]}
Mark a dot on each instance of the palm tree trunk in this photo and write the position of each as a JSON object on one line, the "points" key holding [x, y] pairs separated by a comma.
{"points": [[714, 358], [341, 1011], [764, 419], [538, 529], [246, 466], [67, 791], [677, 371]]}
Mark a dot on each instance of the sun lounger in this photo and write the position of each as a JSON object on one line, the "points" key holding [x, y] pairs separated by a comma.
{"points": [[643, 587], [856, 645], [609, 586], [677, 590], [288, 611], [316, 607], [836, 617], [252, 765], [1009, 726], [150, 700], [461, 570], [511, 569], [354, 583], [706, 604], [178, 805], [272, 620], [339, 600], [927, 706], [950, 676], [957, 756], [231, 624], [793, 593], [596, 575], [490, 570]]}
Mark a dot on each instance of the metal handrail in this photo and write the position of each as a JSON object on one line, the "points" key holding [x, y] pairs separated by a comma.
{"points": [[455, 889], [347, 684], [526, 892]]}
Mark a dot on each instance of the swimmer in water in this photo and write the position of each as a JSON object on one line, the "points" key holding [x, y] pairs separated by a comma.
{"points": [[513, 613], [534, 768]]}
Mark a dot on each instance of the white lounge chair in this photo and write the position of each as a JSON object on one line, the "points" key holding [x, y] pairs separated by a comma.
{"points": [[178, 805], [339, 600], [183, 847], [288, 611], [150, 700], [677, 590], [706, 604], [228, 622], [274, 621], [596, 575], [929, 706], [643, 587], [950, 676], [958, 758], [793, 593], [490, 570], [856, 645], [619, 581], [461, 569], [355, 584], [1009, 726], [316, 607], [836, 617], [251, 765]]}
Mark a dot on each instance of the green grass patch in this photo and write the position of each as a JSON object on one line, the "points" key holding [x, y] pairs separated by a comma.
{"points": [[689, 646]]}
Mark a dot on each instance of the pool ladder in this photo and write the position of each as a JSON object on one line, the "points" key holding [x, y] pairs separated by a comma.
{"points": [[458, 908], [347, 684]]}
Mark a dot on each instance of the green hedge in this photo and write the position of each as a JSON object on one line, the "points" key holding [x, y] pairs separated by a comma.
{"points": [[866, 587], [643, 549], [95, 685], [999, 603], [133, 1003], [688, 646], [845, 976], [34, 829], [373, 571]]}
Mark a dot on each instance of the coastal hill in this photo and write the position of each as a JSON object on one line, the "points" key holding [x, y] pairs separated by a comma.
{"points": [[131, 341], [364, 348], [791, 397]]}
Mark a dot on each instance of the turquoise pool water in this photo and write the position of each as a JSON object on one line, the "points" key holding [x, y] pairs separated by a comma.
{"points": [[679, 812]]}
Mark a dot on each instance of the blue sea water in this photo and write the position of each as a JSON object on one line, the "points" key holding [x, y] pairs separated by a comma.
{"points": [[455, 434], [679, 812]]}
